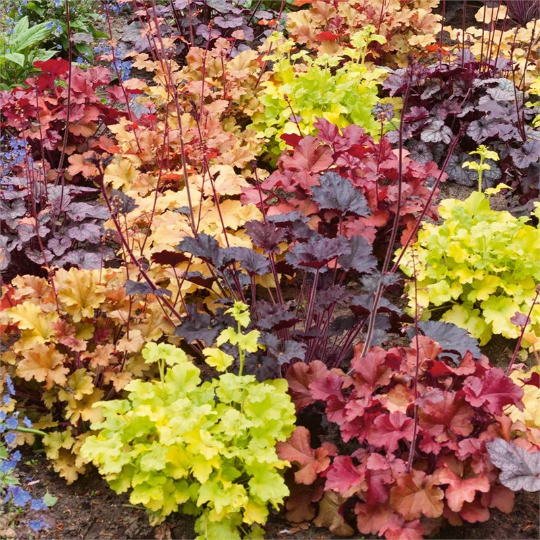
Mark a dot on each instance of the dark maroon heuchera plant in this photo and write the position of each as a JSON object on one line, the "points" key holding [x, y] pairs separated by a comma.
{"points": [[409, 452], [473, 101]]}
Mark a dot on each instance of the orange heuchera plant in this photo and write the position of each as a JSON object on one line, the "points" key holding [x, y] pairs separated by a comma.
{"points": [[72, 341]]}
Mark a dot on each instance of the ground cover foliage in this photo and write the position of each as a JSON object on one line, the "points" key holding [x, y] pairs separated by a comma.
{"points": [[226, 285]]}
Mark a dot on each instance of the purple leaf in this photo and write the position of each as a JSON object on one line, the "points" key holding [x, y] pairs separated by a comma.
{"points": [[360, 257], [451, 338], [314, 255], [338, 193], [265, 235], [250, 260]]}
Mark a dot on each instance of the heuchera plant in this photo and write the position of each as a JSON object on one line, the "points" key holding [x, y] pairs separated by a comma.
{"points": [[69, 342], [341, 88], [328, 25], [373, 170], [410, 454], [479, 268], [470, 100], [205, 448]]}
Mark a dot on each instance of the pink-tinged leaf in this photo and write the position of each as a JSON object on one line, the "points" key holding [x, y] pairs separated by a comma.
{"points": [[344, 476], [397, 528], [309, 156], [371, 369], [442, 412], [494, 392], [428, 445], [371, 519], [328, 132], [389, 429], [297, 449], [520, 319], [499, 497], [378, 482], [416, 495], [461, 490], [330, 386], [300, 376], [474, 512], [468, 366]]}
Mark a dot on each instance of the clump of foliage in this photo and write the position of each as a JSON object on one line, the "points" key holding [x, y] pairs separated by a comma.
{"points": [[328, 25], [197, 23], [373, 170], [83, 23], [205, 448], [19, 49], [70, 342], [478, 268], [341, 88], [413, 423], [474, 102]]}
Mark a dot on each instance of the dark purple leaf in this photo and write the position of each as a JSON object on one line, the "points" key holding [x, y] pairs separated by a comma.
{"points": [[338, 193], [528, 154], [360, 257], [436, 132], [198, 326], [204, 247], [274, 316], [249, 260], [265, 235], [314, 255], [451, 338]]}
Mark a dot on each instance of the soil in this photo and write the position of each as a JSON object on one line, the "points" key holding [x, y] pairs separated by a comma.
{"points": [[89, 510]]}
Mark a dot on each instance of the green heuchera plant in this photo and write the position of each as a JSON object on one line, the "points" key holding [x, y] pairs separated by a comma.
{"points": [[205, 448], [480, 266], [340, 88]]}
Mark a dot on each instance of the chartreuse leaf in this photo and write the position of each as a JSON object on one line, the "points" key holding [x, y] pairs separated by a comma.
{"points": [[482, 264], [207, 449]]}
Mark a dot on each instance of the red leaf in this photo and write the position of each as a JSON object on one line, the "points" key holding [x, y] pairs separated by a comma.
{"points": [[371, 369], [474, 512], [494, 392], [310, 156], [397, 529], [297, 449], [344, 476], [328, 36], [292, 139], [441, 412], [53, 67], [328, 132], [300, 376], [467, 367], [389, 429]]}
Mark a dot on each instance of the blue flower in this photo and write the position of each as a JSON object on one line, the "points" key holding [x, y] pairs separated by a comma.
{"points": [[19, 496], [13, 422], [38, 504], [37, 524], [57, 3], [9, 381], [49, 25], [10, 437], [59, 47], [3, 416], [27, 422]]}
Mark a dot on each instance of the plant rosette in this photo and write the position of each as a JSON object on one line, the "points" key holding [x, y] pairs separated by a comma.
{"points": [[205, 448], [479, 268]]}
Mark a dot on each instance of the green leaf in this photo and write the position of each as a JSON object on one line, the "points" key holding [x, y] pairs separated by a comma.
{"points": [[28, 37], [50, 500], [16, 58]]}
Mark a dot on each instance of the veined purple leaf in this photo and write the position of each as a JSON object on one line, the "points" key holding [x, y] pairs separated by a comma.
{"points": [[360, 257], [338, 193], [265, 235], [314, 255], [204, 247], [249, 259], [519, 469]]}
